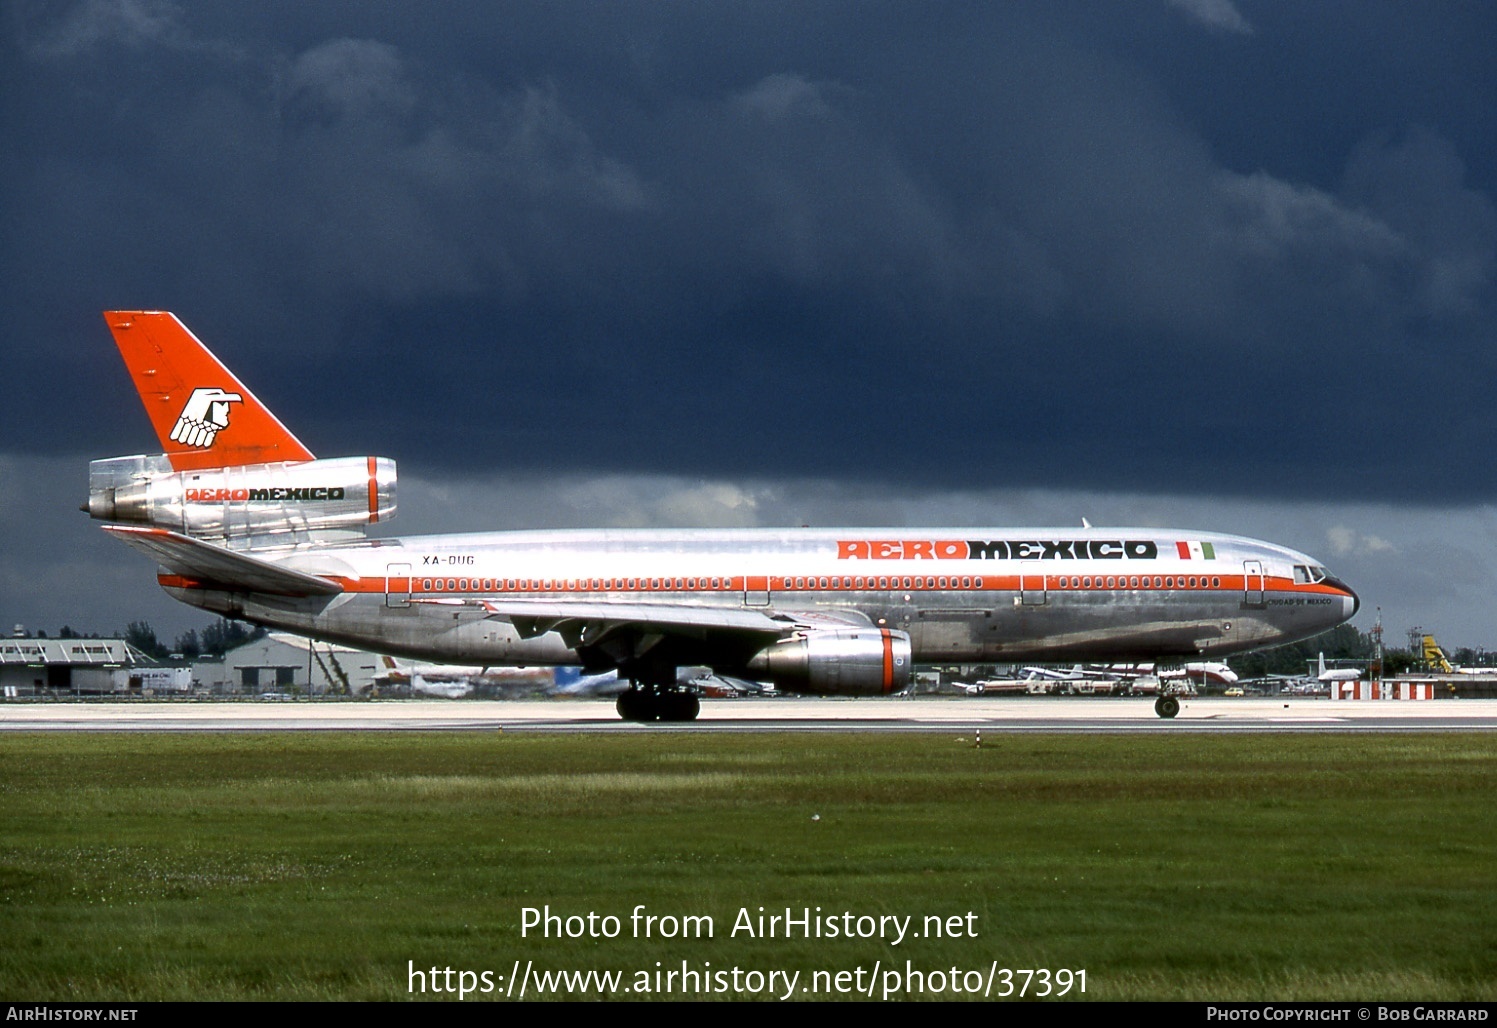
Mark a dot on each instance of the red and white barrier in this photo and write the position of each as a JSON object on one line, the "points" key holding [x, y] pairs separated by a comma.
{"points": [[1382, 690]]}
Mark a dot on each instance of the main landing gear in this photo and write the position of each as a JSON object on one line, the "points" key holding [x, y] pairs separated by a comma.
{"points": [[648, 703], [1167, 706]]}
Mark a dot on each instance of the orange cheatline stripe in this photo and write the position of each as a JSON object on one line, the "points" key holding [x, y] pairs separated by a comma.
{"points": [[990, 583], [168, 581]]}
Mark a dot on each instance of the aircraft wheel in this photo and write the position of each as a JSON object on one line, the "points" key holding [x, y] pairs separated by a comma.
{"points": [[681, 706], [1166, 706], [635, 706]]}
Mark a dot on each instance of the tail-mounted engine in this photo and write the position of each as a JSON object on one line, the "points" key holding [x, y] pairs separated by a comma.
{"points": [[843, 661], [342, 493]]}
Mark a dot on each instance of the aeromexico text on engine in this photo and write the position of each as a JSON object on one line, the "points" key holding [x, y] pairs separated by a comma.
{"points": [[326, 492]]}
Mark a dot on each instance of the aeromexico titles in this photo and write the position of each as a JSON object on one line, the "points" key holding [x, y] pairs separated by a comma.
{"points": [[244, 521]]}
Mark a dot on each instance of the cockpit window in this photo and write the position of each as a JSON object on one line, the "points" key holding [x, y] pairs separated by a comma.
{"points": [[1306, 574]]}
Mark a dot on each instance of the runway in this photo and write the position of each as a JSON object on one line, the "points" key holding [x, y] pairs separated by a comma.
{"points": [[898, 714]]}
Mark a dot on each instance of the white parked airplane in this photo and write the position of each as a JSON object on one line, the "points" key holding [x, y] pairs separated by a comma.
{"points": [[1337, 674], [1074, 673], [245, 522], [1205, 672]]}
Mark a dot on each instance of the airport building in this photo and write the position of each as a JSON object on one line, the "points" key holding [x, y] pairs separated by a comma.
{"points": [[56, 667], [283, 663], [277, 664]]}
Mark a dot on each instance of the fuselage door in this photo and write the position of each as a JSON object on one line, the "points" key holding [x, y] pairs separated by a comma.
{"points": [[1032, 583], [1252, 583], [756, 591], [397, 585]]}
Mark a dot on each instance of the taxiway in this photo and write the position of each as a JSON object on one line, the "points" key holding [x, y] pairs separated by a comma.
{"points": [[916, 714]]}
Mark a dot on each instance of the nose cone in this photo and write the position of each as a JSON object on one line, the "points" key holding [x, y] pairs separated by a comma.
{"points": [[1350, 601]]}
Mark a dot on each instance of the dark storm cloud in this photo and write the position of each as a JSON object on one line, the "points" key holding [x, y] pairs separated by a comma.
{"points": [[1195, 245]]}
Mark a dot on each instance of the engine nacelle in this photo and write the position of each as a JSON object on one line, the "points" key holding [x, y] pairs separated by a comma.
{"points": [[839, 662], [342, 493]]}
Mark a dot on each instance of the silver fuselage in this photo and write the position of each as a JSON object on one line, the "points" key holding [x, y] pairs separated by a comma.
{"points": [[962, 595]]}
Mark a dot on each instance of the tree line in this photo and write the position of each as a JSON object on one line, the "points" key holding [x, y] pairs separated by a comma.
{"points": [[214, 640], [1349, 646]]}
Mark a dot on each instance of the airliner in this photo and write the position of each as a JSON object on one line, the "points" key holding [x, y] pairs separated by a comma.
{"points": [[244, 521]]}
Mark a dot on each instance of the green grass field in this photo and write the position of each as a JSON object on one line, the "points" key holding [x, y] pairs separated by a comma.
{"points": [[325, 866]]}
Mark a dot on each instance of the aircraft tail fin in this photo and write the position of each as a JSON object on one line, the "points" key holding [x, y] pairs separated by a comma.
{"points": [[202, 413], [1435, 657]]}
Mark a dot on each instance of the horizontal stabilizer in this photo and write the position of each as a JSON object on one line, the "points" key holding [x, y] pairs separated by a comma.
{"points": [[215, 566]]}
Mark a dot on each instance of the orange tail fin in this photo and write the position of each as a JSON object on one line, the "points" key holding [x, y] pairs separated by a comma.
{"points": [[203, 415]]}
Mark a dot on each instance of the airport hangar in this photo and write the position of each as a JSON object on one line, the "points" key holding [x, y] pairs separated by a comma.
{"points": [[112, 667], [276, 663]]}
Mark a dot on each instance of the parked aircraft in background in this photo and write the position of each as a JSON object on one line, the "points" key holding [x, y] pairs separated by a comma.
{"points": [[1436, 660], [245, 522], [700, 681], [994, 686], [1435, 657], [1211, 672], [1075, 673], [1337, 674], [606, 683], [454, 681]]}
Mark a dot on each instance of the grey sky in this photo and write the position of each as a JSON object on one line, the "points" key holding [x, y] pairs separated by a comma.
{"points": [[1201, 263]]}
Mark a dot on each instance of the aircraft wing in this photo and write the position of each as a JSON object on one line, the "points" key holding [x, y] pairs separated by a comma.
{"points": [[618, 633], [214, 565], [580, 621]]}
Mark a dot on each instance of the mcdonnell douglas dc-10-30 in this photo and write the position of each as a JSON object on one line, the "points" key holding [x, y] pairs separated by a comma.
{"points": [[244, 521]]}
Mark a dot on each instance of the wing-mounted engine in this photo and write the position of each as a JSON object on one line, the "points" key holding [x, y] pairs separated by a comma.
{"points": [[839, 662], [341, 494]]}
